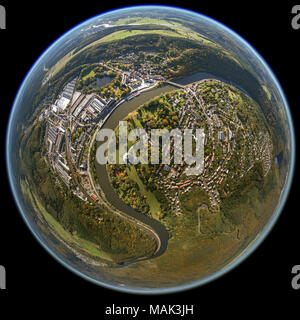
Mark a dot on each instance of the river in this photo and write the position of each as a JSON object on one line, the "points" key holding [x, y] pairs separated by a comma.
{"points": [[119, 114], [204, 75]]}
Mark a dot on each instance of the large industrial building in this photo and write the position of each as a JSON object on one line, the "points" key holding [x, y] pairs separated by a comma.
{"points": [[65, 97]]}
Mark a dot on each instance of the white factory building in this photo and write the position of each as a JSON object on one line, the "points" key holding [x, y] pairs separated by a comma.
{"points": [[65, 97]]}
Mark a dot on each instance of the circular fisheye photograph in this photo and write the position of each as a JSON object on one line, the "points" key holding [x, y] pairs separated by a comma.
{"points": [[150, 149]]}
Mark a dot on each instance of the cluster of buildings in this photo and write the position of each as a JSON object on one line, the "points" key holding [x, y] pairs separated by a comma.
{"points": [[73, 119], [144, 66], [86, 111], [73, 113], [65, 97], [56, 141], [221, 127], [136, 82], [266, 152], [138, 75], [88, 108], [261, 149]]}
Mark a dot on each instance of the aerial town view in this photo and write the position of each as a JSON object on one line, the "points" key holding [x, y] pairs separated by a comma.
{"points": [[156, 225]]}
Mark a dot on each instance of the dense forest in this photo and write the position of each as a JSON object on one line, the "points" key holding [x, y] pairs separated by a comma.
{"points": [[253, 187]]}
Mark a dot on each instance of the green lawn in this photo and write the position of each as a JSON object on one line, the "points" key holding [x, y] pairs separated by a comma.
{"points": [[61, 63], [267, 92], [89, 75], [144, 20], [118, 35], [150, 198]]}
